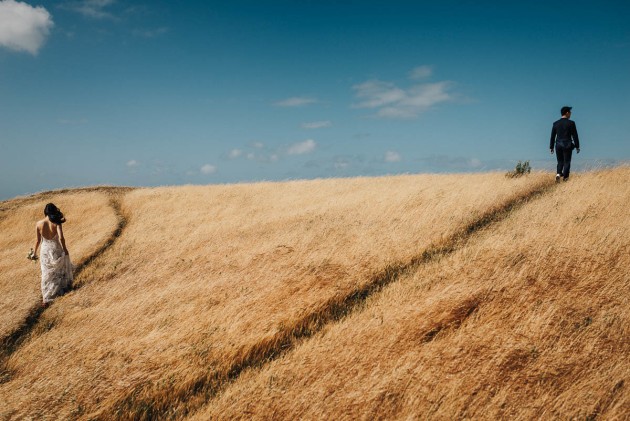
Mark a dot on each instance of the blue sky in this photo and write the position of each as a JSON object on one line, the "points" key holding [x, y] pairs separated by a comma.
{"points": [[202, 92]]}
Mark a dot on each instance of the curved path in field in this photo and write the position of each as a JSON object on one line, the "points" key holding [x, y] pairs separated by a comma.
{"points": [[208, 386], [11, 342]]}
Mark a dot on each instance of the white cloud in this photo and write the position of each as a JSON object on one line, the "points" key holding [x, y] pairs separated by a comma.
{"points": [[263, 157], [421, 72], [301, 148], [397, 112], [208, 169], [235, 153], [23, 27], [316, 124], [425, 96], [295, 102], [390, 101], [133, 163], [375, 93], [258, 145], [90, 8], [391, 156]]}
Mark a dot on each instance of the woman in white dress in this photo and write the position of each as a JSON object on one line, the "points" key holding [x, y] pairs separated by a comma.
{"points": [[54, 257]]}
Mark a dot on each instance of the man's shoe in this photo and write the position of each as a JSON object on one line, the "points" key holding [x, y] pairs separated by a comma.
{"points": [[565, 179], [557, 177]]}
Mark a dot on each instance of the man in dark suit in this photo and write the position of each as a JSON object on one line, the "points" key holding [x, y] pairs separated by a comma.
{"points": [[565, 137]]}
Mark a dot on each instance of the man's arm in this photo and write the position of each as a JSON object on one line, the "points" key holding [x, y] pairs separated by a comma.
{"points": [[576, 139], [552, 141]]}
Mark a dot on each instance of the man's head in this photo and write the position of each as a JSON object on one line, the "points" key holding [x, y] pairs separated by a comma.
{"points": [[565, 111]]}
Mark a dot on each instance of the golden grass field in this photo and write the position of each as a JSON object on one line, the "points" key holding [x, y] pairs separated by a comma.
{"points": [[18, 277], [418, 296]]}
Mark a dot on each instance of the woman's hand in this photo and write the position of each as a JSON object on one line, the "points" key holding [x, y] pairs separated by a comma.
{"points": [[31, 255]]}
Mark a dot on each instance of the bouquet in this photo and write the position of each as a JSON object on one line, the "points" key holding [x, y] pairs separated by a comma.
{"points": [[31, 255]]}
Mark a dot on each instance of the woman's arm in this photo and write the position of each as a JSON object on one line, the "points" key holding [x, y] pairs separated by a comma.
{"points": [[39, 240], [62, 239]]}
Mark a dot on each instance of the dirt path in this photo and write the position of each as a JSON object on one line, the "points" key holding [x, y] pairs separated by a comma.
{"points": [[208, 386], [10, 343]]}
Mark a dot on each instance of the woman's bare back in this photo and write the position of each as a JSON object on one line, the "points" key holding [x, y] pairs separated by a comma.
{"points": [[47, 229]]}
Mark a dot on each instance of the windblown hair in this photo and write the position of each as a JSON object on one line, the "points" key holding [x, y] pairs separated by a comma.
{"points": [[54, 214]]}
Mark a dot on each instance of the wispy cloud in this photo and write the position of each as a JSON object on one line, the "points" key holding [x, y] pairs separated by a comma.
{"points": [[208, 169], [375, 93], [421, 72], [132, 163], [391, 101], [259, 152], [391, 156], [255, 151], [96, 9], [316, 125], [295, 102], [235, 153], [347, 164], [23, 27], [301, 148], [263, 157]]}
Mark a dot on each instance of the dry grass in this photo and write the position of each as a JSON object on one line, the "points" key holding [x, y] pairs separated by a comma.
{"points": [[205, 281], [91, 221], [529, 320]]}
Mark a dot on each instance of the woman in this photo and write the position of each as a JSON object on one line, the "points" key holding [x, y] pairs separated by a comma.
{"points": [[54, 257]]}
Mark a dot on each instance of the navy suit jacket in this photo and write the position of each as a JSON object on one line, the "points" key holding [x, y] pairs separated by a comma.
{"points": [[564, 133]]}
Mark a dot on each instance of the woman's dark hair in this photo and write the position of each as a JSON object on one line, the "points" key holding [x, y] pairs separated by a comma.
{"points": [[54, 214]]}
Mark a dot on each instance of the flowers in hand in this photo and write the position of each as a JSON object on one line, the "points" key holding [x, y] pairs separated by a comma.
{"points": [[31, 255]]}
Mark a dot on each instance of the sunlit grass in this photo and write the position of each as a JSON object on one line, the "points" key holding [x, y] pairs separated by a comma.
{"points": [[205, 282]]}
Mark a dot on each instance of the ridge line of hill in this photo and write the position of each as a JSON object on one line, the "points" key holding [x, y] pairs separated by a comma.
{"points": [[18, 201], [11, 342], [175, 403]]}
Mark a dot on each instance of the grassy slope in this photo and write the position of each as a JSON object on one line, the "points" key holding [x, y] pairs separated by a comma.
{"points": [[528, 320], [91, 221], [203, 279]]}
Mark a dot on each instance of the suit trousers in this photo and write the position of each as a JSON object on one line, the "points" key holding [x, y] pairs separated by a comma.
{"points": [[563, 154]]}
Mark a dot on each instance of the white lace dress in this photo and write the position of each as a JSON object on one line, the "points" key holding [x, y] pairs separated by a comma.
{"points": [[56, 269]]}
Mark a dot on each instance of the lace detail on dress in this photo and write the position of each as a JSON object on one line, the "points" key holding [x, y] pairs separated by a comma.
{"points": [[56, 269]]}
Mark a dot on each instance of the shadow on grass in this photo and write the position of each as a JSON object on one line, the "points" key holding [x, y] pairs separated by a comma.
{"points": [[147, 402], [11, 342]]}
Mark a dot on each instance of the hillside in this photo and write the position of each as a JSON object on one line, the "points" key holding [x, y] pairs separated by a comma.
{"points": [[445, 296]]}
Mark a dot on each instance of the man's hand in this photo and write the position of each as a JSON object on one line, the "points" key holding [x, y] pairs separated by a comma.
{"points": [[551, 150], [577, 150]]}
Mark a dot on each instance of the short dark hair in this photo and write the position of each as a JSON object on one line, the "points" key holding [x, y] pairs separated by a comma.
{"points": [[565, 110]]}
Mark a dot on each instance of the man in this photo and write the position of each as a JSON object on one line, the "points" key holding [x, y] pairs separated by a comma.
{"points": [[564, 135]]}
